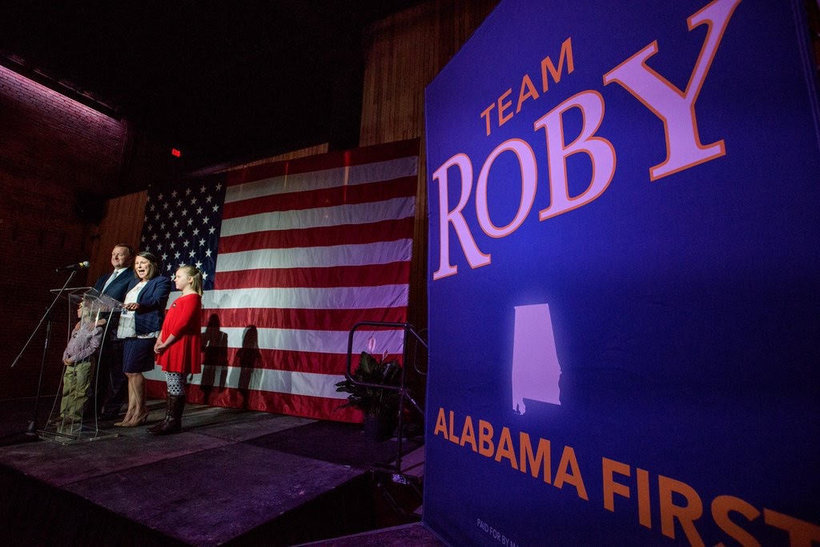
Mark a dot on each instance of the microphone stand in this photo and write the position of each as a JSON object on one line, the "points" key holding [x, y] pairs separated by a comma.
{"points": [[32, 426]]}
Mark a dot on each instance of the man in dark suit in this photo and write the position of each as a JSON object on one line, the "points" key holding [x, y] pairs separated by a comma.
{"points": [[112, 380]]}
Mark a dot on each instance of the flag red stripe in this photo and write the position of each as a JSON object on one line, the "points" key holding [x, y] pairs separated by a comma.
{"points": [[280, 359], [277, 318], [325, 197], [279, 403], [325, 236], [332, 160], [338, 276]]}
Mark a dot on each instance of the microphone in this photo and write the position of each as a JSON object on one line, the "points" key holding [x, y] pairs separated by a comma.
{"points": [[79, 266]]}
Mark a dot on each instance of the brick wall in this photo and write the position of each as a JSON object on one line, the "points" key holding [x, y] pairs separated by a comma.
{"points": [[58, 160]]}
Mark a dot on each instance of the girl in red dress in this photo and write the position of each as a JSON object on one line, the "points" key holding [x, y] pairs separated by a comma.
{"points": [[178, 346]]}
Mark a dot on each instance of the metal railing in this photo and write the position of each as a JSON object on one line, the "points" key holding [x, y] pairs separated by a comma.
{"points": [[404, 394]]}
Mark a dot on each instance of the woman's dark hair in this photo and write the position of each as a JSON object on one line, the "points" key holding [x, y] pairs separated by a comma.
{"points": [[153, 264]]}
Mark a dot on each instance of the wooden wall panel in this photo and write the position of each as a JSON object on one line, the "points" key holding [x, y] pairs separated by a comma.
{"points": [[122, 224], [403, 54]]}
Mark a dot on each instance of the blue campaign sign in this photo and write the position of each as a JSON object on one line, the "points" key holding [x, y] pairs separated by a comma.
{"points": [[624, 277]]}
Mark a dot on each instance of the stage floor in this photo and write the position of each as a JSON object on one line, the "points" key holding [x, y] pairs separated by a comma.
{"points": [[231, 477]]}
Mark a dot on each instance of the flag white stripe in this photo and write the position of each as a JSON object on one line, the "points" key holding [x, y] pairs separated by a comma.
{"points": [[328, 178], [275, 381], [330, 298], [339, 215], [319, 341], [381, 252]]}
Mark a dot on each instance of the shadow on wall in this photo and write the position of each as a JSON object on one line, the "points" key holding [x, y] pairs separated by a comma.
{"points": [[215, 384], [247, 359], [214, 358]]}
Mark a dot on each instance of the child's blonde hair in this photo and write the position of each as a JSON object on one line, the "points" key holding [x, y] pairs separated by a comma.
{"points": [[196, 277]]}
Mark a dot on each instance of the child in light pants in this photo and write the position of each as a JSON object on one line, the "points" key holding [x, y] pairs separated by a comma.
{"points": [[78, 358]]}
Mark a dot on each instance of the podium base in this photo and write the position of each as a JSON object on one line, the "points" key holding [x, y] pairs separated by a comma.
{"points": [[74, 433]]}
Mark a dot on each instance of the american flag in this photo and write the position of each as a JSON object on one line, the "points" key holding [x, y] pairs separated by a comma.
{"points": [[306, 249], [181, 226]]}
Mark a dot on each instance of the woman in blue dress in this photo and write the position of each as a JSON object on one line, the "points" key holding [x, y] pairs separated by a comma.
{"points": [[140, 324]]}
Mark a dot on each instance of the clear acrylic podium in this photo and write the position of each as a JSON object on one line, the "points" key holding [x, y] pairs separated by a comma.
{"points": [[66, 423]]}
